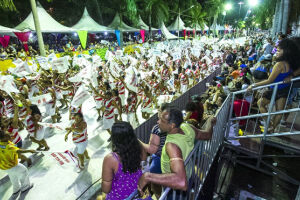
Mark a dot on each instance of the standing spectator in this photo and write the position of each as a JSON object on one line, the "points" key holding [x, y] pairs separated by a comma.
{"points": [[121, 169], [178, 145]]}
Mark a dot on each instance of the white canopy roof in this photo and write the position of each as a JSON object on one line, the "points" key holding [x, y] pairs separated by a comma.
{"points": [[218, 28], [48, 24], [6, 30], [166, 32], [117, 24], [87, 23], [178, 25], [141, 25]]}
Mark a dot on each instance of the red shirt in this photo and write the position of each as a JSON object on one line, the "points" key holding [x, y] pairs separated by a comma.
{"points": [[241, 108]]}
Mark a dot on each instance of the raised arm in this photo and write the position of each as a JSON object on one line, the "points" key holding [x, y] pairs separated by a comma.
{"points": [[207, 133]]}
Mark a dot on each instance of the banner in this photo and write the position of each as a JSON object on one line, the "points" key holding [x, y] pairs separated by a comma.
{"points": [[64, 159], [142, 32], [22, 69], [43, 62], [61, 65], [51, 125], [81, 95], [83, 38], [184, 33], [117, 32], [40, 100], [8, 85], [23, 37], [5, 40]]}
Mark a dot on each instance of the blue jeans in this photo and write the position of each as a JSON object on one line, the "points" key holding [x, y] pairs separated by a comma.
{"points": [[155, 165]]}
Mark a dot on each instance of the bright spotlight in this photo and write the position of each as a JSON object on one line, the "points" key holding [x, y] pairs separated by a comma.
{"points": [[252, 2], [228, 6], [105, 33], [75, 34]]}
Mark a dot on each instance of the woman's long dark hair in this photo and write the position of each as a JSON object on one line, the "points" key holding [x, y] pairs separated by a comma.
{"points": [[127, 146], [290, 54]]}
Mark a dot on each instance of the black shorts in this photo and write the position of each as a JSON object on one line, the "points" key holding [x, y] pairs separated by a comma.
{"points": [[260, 75], [281, 93]]}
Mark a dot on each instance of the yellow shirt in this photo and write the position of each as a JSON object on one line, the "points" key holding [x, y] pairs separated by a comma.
{"points": [[8, 155]]}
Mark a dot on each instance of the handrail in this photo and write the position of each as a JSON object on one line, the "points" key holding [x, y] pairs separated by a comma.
{"points": [[265, 86]]}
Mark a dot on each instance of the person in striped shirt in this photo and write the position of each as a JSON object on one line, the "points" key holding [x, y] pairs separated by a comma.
{"points": [[36, 131], [80, 138]]}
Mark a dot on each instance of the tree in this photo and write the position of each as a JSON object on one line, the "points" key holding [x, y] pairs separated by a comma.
{"points": [[156, 10], [214, 8], [197, 16], [7, 5]]}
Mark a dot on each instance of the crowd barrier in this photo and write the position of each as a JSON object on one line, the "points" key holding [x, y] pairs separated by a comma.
{"points": [[143, 131], [201, 158]]}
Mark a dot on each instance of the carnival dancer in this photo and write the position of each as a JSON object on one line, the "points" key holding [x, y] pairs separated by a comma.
{"points": [[117, 99], [183, 81], [165, 73], [98, 94], [120, 86], [147, 103], [109, 114], [130, 110], [80, 138], [36, 131]]}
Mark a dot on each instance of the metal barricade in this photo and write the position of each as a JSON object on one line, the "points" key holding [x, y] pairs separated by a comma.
{"points": [[201, 158], [252, 124], [143, 131]]}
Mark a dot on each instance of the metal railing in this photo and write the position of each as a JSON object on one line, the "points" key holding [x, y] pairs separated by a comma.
{"points": [[201, 158], [143, 131], [251, 126], [264, 117]]}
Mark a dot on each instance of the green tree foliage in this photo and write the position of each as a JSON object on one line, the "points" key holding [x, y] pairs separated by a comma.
{"points": [[213, 8], [264, 13], [197, 16], [7, 5]]}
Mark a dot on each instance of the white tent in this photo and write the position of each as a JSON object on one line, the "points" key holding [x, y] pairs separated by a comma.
{"points": [[6, 31], [166, 32], [218, 27], [48, 24], [141, 25], [199, 28], [178, 25], [117, 24], [88, 24]]}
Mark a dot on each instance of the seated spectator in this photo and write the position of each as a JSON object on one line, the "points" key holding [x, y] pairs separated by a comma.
{"points": [[287, 62], [261, 70]]}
